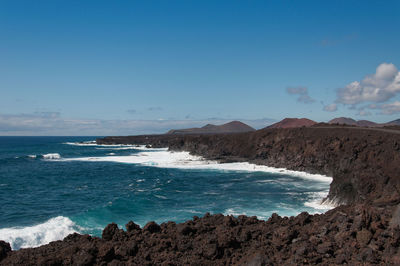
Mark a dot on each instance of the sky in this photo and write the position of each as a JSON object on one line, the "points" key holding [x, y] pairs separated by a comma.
{"points": [[135, 67]]}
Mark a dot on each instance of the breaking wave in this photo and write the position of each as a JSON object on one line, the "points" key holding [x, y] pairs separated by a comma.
{"points": [[51, 156], [33, 236], [183, 160]]}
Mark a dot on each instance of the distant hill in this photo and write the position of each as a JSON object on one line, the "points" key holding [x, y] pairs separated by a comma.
{"points": [[231, 127], [344, 121], [367, 123], [394, 123], [352, 122], [293, 122]]}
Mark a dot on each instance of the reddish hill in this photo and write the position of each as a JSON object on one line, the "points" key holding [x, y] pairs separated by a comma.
{"points": [[293, 122], [343, 121], [231, 127]]}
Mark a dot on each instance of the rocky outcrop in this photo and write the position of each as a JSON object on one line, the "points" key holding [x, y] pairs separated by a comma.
{"points": [[363, 162], [354, 235]]}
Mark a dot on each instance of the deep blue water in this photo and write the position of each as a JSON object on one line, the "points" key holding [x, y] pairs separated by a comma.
{"points": [[45, 199]]}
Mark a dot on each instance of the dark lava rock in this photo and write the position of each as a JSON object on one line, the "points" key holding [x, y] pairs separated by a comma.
{"points": [[110, 231], [225, 240], [364, 162], [152, 227], [4, 249], [131, 226]]}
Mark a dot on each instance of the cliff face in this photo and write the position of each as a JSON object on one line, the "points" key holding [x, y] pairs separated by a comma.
{"points": [[364, 163]]}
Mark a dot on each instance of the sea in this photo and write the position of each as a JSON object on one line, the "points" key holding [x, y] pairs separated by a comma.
{"points": [[51, 187]]}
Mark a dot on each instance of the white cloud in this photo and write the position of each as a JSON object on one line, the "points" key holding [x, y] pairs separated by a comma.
{"points": [[378, 87], [330, 107], [39, 124], [363, 113], [390, 108], [302, 93]]}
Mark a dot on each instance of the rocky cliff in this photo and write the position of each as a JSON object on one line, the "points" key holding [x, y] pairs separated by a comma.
{"points": [[363, 162]]}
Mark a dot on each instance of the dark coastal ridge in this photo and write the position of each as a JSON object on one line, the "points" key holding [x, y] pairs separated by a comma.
{"points": [[231, 127], [364, 229]]}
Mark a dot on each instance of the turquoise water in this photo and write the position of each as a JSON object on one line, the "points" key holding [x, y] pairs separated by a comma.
{"points": [[44, 195]]}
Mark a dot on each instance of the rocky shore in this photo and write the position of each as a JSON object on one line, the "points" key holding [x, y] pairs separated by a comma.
{"points": [[364, 164]]}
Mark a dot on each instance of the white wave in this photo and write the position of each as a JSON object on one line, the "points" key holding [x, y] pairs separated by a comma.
{"points": [[51, 156], [319, 203], [184, 160], [33, 236], [32, 156], [232, 211], [84, 143], [107, 146], [116, 148], [111, 153], [160, 196]]}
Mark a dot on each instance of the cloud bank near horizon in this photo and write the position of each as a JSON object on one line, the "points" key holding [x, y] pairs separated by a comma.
{"points": [[53, 124]]}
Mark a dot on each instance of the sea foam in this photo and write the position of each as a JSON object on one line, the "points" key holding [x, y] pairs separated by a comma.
{"points": [[33, 236], [51, 156], [183, 160], [163, 158]]}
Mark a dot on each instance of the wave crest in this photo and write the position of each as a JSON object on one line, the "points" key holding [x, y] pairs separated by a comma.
{"points": [[184, 160], [33, 236], [51, 156]]}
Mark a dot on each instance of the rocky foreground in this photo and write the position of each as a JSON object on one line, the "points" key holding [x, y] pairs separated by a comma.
{"points": [[364, 164], [348, 234]]}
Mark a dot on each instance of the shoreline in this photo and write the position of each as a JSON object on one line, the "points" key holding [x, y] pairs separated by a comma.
{"points": [[160, 158], [364, 229]]}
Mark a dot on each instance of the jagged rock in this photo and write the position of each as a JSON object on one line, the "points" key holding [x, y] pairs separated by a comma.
{"points": [[5, 248], [131, 226], [363, 237], [110, 231], [152, 227], [218, 239]]}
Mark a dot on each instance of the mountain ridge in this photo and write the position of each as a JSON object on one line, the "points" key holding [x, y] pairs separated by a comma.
{"points": [[293, 122], [230, 127]]}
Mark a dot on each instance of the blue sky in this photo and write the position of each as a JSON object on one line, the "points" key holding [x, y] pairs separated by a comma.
{"points": [[64, 64]]}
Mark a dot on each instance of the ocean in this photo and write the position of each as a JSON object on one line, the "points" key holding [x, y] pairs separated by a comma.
{"points": [[53, 186]]}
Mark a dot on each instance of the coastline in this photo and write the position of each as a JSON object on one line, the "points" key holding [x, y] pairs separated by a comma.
{"points": [[364, 229]]}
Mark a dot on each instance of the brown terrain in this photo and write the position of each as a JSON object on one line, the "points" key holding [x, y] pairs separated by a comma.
{"points": [[231, 127], [362, 123], [364, 230], [293, 122]]}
